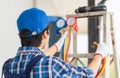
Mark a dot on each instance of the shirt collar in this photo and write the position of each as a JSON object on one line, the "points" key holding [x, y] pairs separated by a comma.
{"points": [[29, 49]]}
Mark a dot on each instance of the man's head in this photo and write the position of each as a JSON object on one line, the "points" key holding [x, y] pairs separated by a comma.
{"points": [[32, 24]]}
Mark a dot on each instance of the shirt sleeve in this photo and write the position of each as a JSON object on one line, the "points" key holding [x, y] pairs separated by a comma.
{"points": [[62, 69]]}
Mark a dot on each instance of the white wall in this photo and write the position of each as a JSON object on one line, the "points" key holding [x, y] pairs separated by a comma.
{"points": [[9, 40], [113, 6]]}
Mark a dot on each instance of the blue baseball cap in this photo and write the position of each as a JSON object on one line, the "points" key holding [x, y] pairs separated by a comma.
{"points": [[34, 20]]}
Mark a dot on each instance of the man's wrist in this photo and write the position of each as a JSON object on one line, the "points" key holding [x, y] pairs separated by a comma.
{"points": [[97, 55]]}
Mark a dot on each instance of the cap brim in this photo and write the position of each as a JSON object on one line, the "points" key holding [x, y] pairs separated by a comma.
{"points": [[52, 18]]}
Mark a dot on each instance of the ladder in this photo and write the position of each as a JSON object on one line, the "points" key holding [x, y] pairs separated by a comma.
{"points": [[107, 29]]}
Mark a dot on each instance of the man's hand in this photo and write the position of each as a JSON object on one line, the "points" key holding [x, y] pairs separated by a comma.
{"points": [[60, 42], [103, 50]]}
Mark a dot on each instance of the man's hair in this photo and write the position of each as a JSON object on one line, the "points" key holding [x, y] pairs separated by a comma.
{"points": [[34, 40]]}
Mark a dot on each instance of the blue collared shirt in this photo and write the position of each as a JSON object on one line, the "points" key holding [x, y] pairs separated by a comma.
{"points": [[53, 68]]}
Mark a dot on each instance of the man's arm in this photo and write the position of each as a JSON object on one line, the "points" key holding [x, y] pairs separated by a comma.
{"points": [[57, 46], [62, 69], [94, 65], [102, 51]]}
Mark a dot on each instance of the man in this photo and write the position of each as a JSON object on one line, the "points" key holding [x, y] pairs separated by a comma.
{"points": [[33, 25]]}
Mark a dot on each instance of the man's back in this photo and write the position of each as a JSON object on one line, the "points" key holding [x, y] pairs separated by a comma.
{"points": [[47, 67]]}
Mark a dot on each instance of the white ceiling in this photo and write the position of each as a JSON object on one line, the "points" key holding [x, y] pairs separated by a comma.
{"points": [[60, 7]]}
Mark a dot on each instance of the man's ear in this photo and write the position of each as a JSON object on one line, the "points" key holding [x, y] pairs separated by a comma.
{"points": [[45, 35]]}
